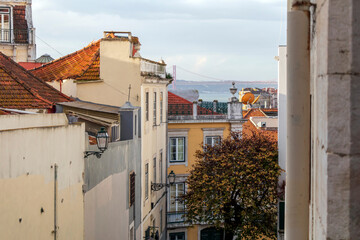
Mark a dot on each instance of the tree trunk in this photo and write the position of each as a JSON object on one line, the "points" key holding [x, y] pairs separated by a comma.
{"points": [[229, 235]]}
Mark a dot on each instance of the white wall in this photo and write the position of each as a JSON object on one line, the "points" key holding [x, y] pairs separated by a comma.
{"points": [[30, 146]]}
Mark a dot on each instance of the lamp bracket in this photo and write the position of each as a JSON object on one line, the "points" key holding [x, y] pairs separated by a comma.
{"points": [[97, 154], [158, 186]]}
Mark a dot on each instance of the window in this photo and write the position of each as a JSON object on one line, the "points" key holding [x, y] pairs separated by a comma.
{"points": [[5, 24], [177, 236], [161, 221], [160, 167], [176, 192], [154, 169], [161, 107], [154, 109], [146, 181], [115, 133], [132, 189], [212, 140], [177, 149], [131, 235], [147, 106], [135, 125]]}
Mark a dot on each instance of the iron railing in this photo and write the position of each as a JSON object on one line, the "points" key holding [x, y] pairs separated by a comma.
{"points": [[25, 36], [203, 108], [215, 107], [180, 109], [176, 217], [148, 67]]}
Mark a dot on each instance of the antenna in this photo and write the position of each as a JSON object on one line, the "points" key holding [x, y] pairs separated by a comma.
{"points": [[174, 77], [129, 92]]}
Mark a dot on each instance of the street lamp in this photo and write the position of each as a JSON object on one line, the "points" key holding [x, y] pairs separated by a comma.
{"points": [[102, 140], [159, 186]]}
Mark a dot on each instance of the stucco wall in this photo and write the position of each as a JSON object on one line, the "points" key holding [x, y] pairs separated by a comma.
{"points": [[335, 63], [68, 87], [28, 154], [107, 211], [195, 137], [117, 71], [153, 142]]}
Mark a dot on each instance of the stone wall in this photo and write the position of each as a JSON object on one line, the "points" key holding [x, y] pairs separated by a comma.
{"points": [[335, 88]]}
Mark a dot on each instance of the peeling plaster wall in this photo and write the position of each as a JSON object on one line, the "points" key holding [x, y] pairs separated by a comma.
{"points": [[335, 68], [28, 153]]}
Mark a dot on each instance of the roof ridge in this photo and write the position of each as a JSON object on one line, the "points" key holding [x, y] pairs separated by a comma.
{"points": [[68, 55]]}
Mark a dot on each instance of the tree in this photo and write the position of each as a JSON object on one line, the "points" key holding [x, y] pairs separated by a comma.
{"points": [[233, 185]]}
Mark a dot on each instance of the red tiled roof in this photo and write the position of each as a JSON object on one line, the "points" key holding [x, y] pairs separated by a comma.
{"points": [[19, 89], [180, 106], [82, 65], [30, 65], [175, 99], [254, 112]]}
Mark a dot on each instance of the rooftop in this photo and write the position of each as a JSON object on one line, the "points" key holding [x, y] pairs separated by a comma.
{"points": [[82, 65], [19, 89]]}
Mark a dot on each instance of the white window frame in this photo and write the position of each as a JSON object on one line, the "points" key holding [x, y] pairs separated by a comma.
{"points": [[212, 139], [183, 132], [176, 196], [146, 172], [212, 132], [154, 108]]}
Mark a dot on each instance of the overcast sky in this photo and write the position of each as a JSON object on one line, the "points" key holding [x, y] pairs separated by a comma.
{"points": [[222, 39]]}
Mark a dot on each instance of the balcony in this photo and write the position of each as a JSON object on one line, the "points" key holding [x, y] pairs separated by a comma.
{"points": [[21, 36], [198, 111], [175, 217], [152, 68]]}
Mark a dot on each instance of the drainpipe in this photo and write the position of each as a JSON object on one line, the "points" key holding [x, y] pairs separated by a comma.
{"points": [[55, 200], [297, 193]]}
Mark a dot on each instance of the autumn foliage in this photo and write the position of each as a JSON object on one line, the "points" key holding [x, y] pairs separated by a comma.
{"points": [[233, 185]]}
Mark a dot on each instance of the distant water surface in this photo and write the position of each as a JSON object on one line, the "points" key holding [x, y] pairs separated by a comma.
{"points": [[218, 91]]}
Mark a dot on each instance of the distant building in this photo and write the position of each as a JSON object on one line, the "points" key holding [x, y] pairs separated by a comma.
{"points": [[17, 34], [191, 124]]}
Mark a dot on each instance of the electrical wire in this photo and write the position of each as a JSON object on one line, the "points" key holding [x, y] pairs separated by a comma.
{"points": [[136, 99], [198, 74], [49, 45]]}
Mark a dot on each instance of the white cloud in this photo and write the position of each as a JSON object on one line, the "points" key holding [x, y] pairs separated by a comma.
{"points": [[231, 39]]}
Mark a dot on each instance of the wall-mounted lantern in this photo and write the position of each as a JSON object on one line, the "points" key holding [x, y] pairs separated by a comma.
{"points": [[102, 140], [159, 186]]}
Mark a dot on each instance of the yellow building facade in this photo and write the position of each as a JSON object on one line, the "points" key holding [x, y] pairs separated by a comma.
{"points": [[187, 134]]}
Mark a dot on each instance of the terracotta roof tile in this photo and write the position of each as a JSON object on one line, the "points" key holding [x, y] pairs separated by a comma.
{"points": [[30, 65], [19, 89], [82, 65], [178, 105]]}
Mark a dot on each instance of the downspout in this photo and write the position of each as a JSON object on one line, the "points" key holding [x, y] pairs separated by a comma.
{"points": [[297, 193], [55, 200]]}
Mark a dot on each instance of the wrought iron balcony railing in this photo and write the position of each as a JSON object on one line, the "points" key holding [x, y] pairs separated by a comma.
{"points": [[176, 217], [25, 36], [202, 109]]}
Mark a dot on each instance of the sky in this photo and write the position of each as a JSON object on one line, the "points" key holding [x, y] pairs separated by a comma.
{"points": [[205, 39]]}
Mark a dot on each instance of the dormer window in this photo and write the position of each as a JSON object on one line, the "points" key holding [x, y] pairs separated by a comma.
{"points": [[5, 24]]}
